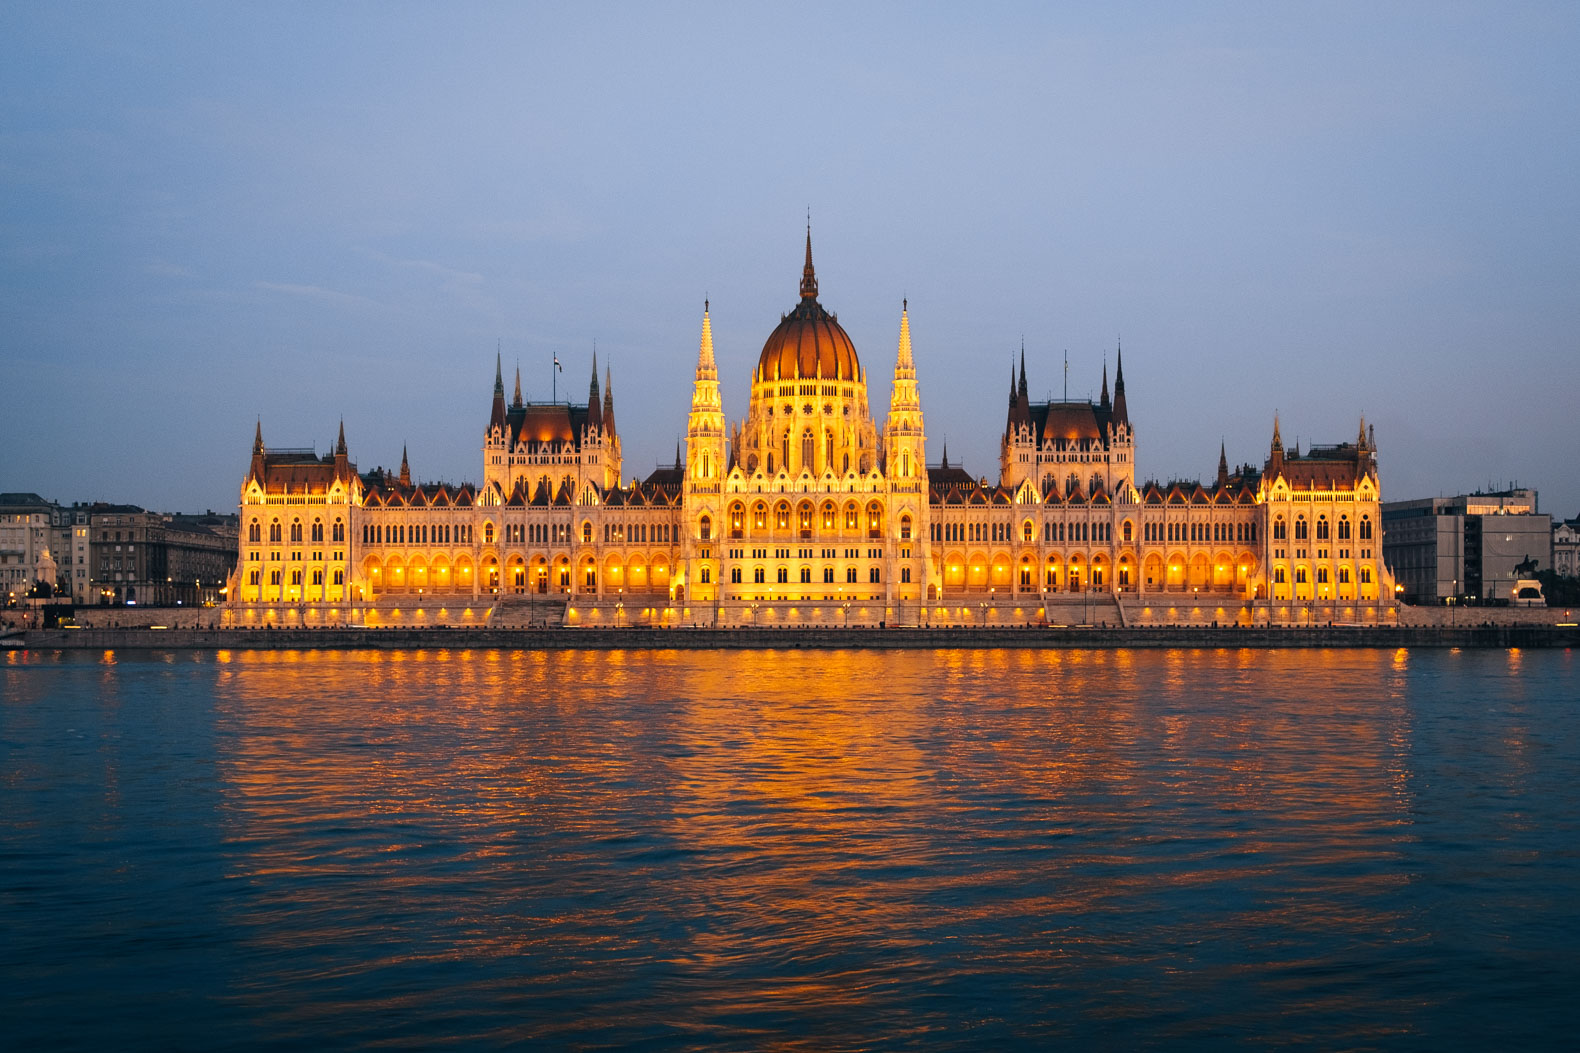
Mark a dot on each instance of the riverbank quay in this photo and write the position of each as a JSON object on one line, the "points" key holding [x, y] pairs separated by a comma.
{"points": [[899, 638]]}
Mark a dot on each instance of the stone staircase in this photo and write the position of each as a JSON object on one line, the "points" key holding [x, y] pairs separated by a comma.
{"points": [[530, 611]]}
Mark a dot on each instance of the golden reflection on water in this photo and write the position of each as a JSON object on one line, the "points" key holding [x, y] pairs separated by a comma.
{"points": [[823, 810]]}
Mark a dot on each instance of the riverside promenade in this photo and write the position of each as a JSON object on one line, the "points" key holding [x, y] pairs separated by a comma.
{"points": [[898, 638]]}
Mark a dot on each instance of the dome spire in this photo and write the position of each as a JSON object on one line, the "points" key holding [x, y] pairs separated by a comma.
{"points": [[808, 276]]}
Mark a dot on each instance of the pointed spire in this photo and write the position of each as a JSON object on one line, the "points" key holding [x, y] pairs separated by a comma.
{"points": [[903, 360], [1278, 439], [257, 438], [1121, 411], [1023, 396], [678, 465], [1103, 400], [608, 400], [516, 402], [808, 276], [1223, 465], [705, 387], [405, 469], [944, 464], [594, 400], [1361, 442], [905, 402], [706, 368], [496, 414], [340, 443]]}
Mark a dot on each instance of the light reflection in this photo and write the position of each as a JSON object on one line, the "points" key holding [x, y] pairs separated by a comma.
{"points": [[798, 805]]}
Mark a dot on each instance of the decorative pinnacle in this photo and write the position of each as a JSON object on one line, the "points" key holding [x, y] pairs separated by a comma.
{"points": [[808, 275]]}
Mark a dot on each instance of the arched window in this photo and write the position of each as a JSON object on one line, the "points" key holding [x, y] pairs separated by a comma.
{"points": [[1097, 482], [905, 528], [874, 520], [737, 515], [1027, 531], [1366, 528], [318, 530], [1344, 528], [1278, 575], [905, 463], [707, 465], [1280, 529], [1322, 528], [488, 533], [296, 530], [274, 531], [1301, 529], [782, 516], [808, 451], [828, 515], [586, 532], [760, 516], [254, 532], [804, 518], [1128, 531], [339, 531], [850, 516], [705, 528]]}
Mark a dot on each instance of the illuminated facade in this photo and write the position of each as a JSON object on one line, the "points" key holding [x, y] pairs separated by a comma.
{"points": [[810, 511]]}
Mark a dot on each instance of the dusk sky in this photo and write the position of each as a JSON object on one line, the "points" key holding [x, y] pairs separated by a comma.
{"points": [[213, 214]]}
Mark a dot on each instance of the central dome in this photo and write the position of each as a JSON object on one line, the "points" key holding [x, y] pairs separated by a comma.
{"points": [[809, 343]]}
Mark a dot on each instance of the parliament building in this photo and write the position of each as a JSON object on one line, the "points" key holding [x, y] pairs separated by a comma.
{"points": [[809, 510]]}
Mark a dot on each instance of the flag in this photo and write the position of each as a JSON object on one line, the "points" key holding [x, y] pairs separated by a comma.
{"points": [[557, 364]]}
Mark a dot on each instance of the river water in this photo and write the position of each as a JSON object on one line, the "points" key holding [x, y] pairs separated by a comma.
{"points": [[790, 849]]}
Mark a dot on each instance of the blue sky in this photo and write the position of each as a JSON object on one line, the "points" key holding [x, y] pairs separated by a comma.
{"points": [[306, 212]]}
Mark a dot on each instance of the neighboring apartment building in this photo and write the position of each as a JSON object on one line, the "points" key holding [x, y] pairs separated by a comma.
{"points": [[26, 522], [1471, 547], [147, 558], [1566, 548]]}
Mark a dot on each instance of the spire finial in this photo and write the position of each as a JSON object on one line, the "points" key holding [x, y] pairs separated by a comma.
{"points": [[257, 437], [499, 375], [518, 384], [808, 275], [340, 443]]}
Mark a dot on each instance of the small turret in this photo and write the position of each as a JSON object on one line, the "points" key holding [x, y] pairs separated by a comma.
{"points": [[405, 468], [1275, 460], [516, 402], [1103, 402], [1223, 467]]}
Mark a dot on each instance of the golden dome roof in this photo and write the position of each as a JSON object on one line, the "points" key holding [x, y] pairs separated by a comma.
{"points": [[809, 341]]}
